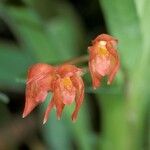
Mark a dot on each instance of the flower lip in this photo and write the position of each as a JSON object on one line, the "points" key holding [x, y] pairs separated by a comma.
{"points": [[67, 82], [68, 97], [67, 90]]}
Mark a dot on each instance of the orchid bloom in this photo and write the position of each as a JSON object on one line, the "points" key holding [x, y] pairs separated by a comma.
{"points": [[64, 82], [103, 59]]}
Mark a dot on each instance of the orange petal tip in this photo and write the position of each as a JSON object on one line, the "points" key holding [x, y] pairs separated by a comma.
{"points": [[74, 120], [44, 121], [24, 115], [58, 118], [108, 82]]}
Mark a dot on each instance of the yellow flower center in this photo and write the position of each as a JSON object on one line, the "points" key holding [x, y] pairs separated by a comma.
{"points": [[102, 51], [67, 82]]}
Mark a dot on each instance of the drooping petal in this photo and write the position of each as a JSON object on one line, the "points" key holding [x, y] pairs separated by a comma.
{"points": [[59, 108], [48, 109], [79, 85], [38, 84], [58, 99], [95, 77], [116, 66]]}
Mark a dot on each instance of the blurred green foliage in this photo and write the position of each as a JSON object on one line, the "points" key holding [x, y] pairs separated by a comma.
{"points": [[52, 32]]}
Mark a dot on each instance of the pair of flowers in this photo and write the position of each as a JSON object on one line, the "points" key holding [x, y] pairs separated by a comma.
{"points": [[65, 81]]}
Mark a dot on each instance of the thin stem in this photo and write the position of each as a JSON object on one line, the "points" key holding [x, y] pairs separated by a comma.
{"points": [[78, 60]]}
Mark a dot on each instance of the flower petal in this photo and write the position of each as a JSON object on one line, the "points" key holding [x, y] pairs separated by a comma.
{"points": [[38, 84], [116, 66], [67, 70], [79, 85], [96, 79], [104, 37], [58, 99], [50, 106]]}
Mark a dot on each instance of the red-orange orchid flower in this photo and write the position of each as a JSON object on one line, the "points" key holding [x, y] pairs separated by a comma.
{"points": [[103, 59], [64, 82]]}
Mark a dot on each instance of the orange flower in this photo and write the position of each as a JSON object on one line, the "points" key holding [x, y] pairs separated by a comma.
{"points": [[104, 59], [64, 82]]}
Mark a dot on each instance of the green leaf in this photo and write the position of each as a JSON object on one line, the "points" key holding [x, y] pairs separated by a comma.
{"points": [[65, 33], [13, 64], [30, 31], [43, 40]]}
